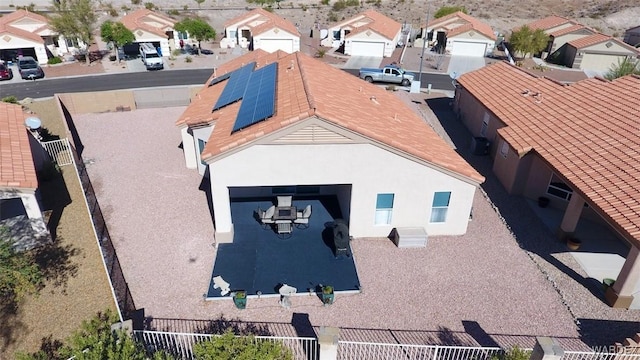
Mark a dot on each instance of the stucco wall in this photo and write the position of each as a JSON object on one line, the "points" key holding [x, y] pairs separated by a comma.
{"points": [[276, 35], [505, 167], [471, 112], [558, 41], [369, 169], [371, 36]]}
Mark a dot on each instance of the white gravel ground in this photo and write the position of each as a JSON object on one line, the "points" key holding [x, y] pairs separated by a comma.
{"points": [[482, 282]]}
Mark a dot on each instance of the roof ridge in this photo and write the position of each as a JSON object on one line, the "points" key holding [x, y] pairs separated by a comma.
{"points": [[305, 86]]}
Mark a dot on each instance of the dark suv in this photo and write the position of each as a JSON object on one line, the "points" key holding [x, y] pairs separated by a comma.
{"points": [[5, 72], [29, 68]]}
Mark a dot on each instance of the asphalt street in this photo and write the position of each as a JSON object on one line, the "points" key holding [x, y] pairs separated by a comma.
{"points": [[133, 80]]}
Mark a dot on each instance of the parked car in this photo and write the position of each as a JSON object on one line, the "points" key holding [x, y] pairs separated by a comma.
{"points": [[29, 68], [5, 72], [390, 74]]}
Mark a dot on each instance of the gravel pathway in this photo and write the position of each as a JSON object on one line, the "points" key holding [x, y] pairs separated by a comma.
{"points": [[471, 289]]}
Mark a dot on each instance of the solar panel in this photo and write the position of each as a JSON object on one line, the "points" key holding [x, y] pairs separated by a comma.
{"points": [[235, 87], [219, 79], [258, 101]]}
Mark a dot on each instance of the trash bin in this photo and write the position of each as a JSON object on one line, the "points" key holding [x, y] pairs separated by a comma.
{"points": [[480, 146]]}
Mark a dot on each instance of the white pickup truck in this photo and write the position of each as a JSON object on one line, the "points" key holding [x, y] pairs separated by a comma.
{"points": [[389, 74]]}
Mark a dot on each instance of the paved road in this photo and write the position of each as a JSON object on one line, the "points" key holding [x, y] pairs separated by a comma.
{"points": [[48, 87]]}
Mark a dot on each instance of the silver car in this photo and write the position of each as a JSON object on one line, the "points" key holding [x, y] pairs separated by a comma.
{"points": [[29, 68]]}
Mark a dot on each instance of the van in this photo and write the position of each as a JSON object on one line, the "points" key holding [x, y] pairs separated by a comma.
{"points": [[150, 57]]}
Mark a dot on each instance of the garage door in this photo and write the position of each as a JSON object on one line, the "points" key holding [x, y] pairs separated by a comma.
{"points": [[599, 62], [367, 48], [468, 48], [273, 45]]}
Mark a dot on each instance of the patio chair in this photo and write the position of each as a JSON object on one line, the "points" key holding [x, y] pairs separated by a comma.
{"points": [[302, 218], [285, 201], [219, 283], [266, 216]]}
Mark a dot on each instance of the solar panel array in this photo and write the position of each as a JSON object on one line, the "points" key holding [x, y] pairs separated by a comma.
{"points": [[235, 87], [258, 101]]}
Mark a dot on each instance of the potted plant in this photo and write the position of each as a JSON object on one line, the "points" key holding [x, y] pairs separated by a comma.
{"points": [[240, 299], [543, 201], [573, 243], [327, 295]]}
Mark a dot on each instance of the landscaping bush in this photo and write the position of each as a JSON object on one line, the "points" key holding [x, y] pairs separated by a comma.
{"points": [[230, 347], [10, 99], [54, 60], [188, 59]]}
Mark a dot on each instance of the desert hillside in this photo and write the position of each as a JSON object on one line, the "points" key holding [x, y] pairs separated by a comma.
{"points": [[611, 17]]}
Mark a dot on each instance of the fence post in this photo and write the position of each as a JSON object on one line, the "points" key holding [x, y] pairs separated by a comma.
{"points": [[328, 340], [546, 348]]}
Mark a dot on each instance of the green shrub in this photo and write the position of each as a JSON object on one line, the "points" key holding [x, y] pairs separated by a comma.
{"points": [[185, 8], [324, 2], [339, 5], [125, 8], [173, 12], [230, 347], [188, 59], [136, 2], [333, 17], [321, 53], [176, 52], [54, 60], [149, 6], [515, 353], [10, 99]]}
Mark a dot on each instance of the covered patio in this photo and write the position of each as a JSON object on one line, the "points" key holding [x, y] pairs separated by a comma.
{"points": [[259, 260]]}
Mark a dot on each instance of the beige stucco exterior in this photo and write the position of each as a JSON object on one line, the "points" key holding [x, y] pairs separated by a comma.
{"points": [[558, 41], [276, 39]]}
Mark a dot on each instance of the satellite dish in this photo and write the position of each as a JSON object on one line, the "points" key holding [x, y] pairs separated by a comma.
{"points": [[453, 75], [33, 123]]}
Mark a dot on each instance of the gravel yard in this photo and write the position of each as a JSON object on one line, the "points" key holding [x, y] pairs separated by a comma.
{"points": [[453, 291]]}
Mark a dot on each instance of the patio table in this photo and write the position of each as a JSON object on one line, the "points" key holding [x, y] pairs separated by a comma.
{"points": [[285, 213]]}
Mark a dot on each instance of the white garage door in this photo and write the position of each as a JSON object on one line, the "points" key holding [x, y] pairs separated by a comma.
{"points": [[468, 48], [367, 48], [273, 45], [599, 62]]}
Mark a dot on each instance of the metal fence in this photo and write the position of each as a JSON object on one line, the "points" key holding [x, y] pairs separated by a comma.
{"points": [[373, 351], [123, 295], [585, 355], [181, 344], [59, 151]]}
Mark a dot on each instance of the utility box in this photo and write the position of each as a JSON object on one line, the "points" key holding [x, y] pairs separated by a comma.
{"points": [[480, 145], [410, 237]]}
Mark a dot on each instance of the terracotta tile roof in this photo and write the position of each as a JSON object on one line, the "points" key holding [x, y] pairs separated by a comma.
{"points": [[306, 88], [598, 39], [8, 29], [570, 29], [21, 14], [16, 162], [143, 19], [374, 21], [465, 23], [548, 23], [588, 132], [266, 21]]}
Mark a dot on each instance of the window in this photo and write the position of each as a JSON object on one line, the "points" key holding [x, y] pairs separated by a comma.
{"points": [[558, 188], [183, 35], [384, 209], [440, 206], [71, 42], [201, 145], [504, 149], [485, 124]]}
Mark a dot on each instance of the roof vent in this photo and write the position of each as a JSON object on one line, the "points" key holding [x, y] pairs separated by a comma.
{"points": [[291, 67]]}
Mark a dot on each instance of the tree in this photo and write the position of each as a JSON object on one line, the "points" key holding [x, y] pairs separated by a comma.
{"points": [[196, 28], [623, 68], [75, 19], [20, 275], [230, 347], [446, 10], [527, 41], [117, 34]]}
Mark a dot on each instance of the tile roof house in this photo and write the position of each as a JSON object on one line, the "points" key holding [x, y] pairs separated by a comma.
{"points": [[632, 36], [329, 132], [596, 52], [461, 34], [366, 34], [20, 155], [152, 27], [29, 34], [575, 144], [261, 29]]}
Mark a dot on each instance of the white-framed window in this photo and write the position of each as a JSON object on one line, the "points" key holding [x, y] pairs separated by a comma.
{"points": [[485, 124], [201, 145], [504, 149], [440, 206], [558, 188], [384, 209]]}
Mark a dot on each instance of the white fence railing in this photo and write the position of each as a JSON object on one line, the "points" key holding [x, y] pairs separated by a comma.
{"points": [[181, 344], [372, 351], [59, 151], [586, 355]]}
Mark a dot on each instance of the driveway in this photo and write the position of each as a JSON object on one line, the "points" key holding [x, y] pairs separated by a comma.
{"points": [[357, 62], [465, 64]]}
